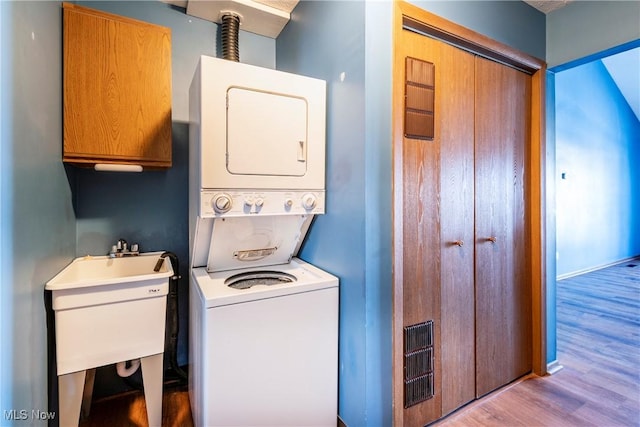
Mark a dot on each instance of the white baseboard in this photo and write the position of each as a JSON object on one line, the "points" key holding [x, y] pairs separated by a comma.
{"points": [[553, 367], [590, 269]]}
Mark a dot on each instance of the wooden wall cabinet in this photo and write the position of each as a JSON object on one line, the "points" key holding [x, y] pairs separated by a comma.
{"points": [[117, 90]]}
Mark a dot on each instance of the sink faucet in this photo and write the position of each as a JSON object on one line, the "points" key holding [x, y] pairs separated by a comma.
{"points": [[121, 249]]}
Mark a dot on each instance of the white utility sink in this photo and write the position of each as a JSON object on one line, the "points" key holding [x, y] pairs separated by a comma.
{"points": [[109, 310], [101, 270]]}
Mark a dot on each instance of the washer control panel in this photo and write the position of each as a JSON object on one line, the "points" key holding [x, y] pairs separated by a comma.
{"points": [[216, 203]]}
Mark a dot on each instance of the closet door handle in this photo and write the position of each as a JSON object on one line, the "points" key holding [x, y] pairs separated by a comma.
{"points": [[457, 243], [492, 239]]}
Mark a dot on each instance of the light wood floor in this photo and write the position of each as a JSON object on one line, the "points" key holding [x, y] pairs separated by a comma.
{"points": [[598, 344], [598, 324], [129, 410]]}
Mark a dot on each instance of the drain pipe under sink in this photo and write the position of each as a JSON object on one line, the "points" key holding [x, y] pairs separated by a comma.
{"points": [[173, 327], [123, 371]]}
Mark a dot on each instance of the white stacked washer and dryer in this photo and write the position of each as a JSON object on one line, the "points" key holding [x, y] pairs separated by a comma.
{"points": [[263, 337]]}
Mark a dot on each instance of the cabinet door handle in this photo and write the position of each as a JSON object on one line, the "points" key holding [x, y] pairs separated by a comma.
{"points": [[458, 243], [492, 239]]}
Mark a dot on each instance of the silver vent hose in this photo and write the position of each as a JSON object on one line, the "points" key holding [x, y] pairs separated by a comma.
{"points": [[229, 36]]}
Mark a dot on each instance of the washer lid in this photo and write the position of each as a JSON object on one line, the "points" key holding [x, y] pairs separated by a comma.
{"points": [[253, 241]]}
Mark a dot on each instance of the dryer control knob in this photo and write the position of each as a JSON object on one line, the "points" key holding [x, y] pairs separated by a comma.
{"points": [[222, 203], [309, 201], [248, 201], [259, 202], [288, 203]]}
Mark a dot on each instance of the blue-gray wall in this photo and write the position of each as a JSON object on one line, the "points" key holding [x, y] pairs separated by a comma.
{"points": [[329, 40], [378, 199], [326, 40], [37, 225], [354, 238], [581, 32], [550, 220], [598, 152], [151, 208], [50, 214], [513, 23], [583, 28]]}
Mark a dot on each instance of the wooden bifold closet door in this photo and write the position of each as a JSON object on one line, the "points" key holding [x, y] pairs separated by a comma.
{"points": [[503, 294], [464, 225]]}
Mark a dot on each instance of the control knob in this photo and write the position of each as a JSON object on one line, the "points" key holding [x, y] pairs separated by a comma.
{"points": [[259, 202], [288, 203], [222, 203], [309, 201]]}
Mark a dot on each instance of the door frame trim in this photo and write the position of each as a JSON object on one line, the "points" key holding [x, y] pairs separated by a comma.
{"points": [[412, 18]]}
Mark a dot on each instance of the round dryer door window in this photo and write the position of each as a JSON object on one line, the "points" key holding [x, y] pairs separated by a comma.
{"points": [[255, 278]]}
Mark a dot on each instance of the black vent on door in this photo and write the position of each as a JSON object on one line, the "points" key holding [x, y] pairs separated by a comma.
{"points": [[418, 363]]}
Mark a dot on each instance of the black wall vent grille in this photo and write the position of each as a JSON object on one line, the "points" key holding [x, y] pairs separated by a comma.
{"points": [[418, 390], [418, 363]]}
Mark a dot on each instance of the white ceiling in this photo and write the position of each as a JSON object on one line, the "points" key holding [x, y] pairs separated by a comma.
{"points": [[547, 6], [264, 17], [284, 5]]}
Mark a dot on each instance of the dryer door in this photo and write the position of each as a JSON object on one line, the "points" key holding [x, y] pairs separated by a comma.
{"points": [[253, 127], [266, 133]]}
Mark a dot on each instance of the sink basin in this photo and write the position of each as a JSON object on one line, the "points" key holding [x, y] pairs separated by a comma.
{"points": [[100, 270], [109, 310]]}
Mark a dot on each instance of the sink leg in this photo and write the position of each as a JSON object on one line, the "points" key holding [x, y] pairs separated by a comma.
{"points": [[85, 409], [152, 370], [70, 388]]}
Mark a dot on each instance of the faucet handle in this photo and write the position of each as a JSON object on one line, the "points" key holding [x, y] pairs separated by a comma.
{"points": [[122, 248]]}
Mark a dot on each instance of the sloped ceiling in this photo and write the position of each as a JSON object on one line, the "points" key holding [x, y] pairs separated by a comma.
{"points": [[624, 68]]}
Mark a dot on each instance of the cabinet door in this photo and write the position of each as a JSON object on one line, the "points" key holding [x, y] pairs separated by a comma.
{"points": [[117, 89], [503, 294]]}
